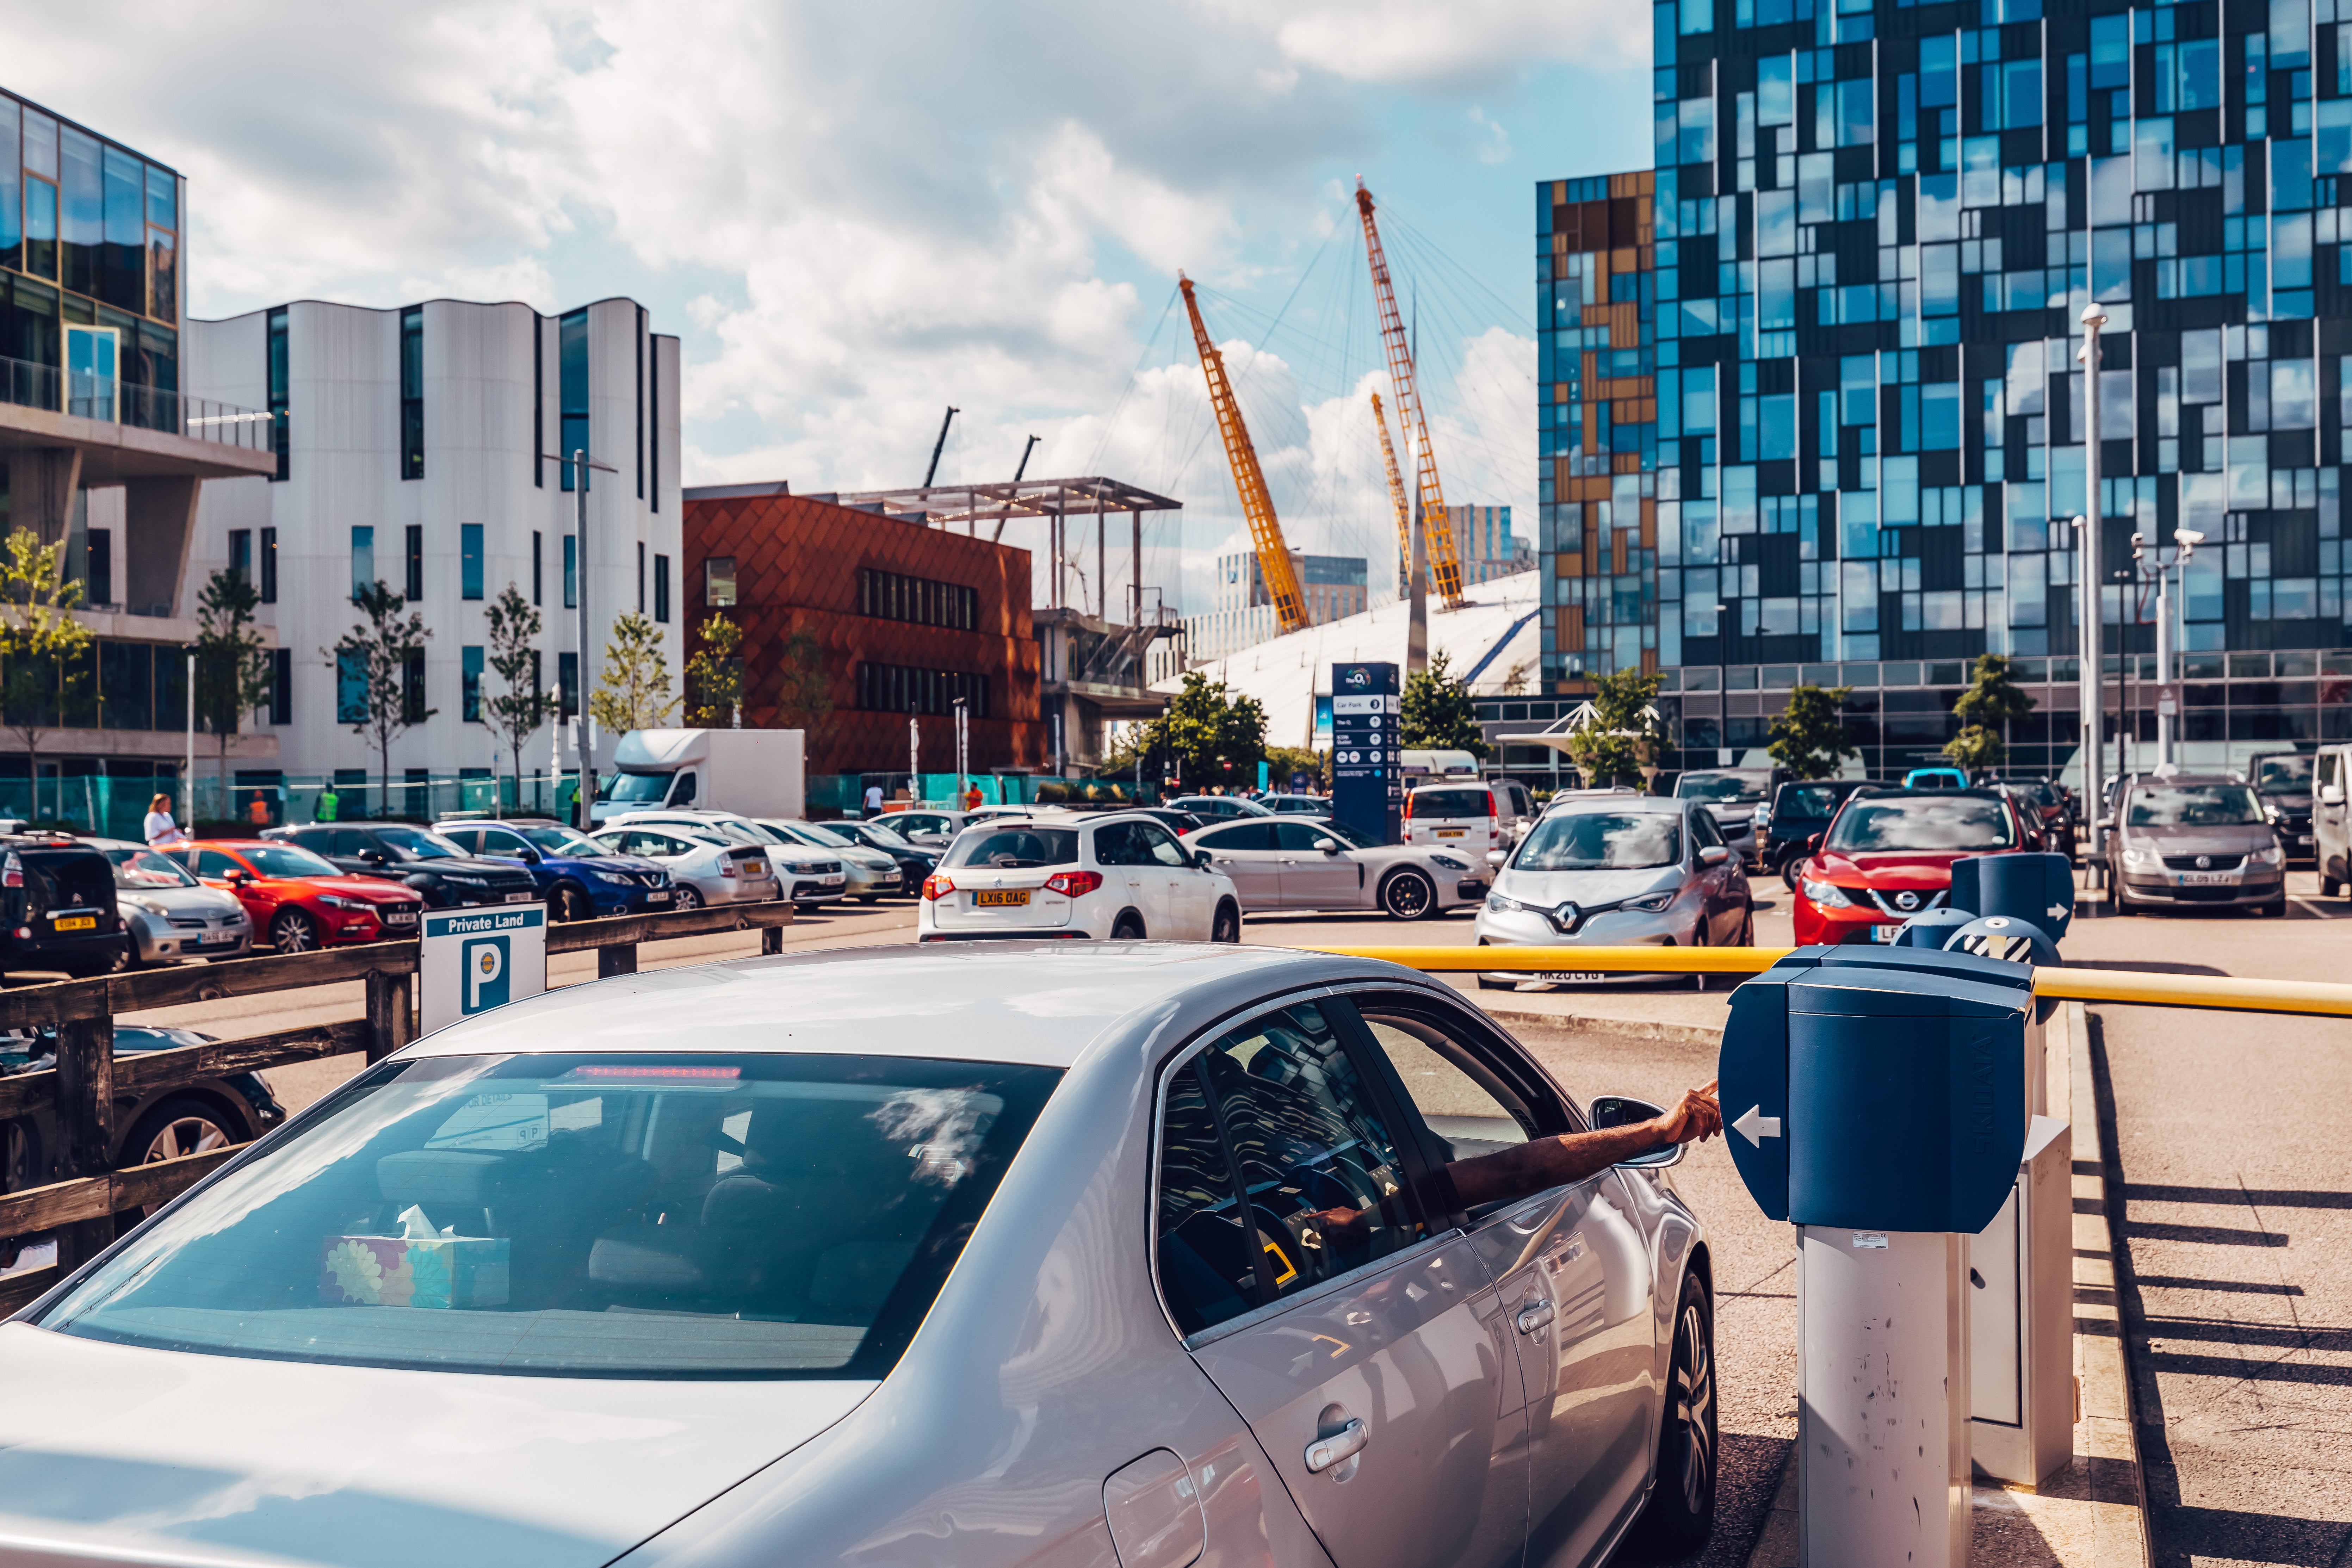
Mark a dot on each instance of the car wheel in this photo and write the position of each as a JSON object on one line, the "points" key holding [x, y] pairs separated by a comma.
{"points": [[1126, 927], [2328, 886], [687, 898], [1409, 896], [1681, 1511], [571, 903], [1747, 937], [1698, 939], [1789, 871], [175, 1128], [291, 930], [1226, 925], [2275, 910]]}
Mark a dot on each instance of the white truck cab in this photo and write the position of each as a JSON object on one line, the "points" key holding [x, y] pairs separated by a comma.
{"points": [[751, 773]]}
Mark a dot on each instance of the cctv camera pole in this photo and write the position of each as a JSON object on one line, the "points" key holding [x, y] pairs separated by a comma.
{"points": [[2088, 531], [581, 465], [190, 825]]}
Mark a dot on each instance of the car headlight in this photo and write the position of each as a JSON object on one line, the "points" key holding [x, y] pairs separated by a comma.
{"points": [[1449, 862], [1825, 895], [2274, 855], [2136, 856], [145, 905], [1650, 903], [1503, 906], [337, 901]]}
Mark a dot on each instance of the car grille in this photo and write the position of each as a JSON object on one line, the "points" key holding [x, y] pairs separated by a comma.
{"points": [[1934, 901], [188, 923], [2204, 862]]}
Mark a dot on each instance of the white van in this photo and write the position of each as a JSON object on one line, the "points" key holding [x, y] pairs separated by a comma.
{"points": [[1468, 816], [2331, 818]]}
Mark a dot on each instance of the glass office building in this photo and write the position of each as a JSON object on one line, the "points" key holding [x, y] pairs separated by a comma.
{"points": [[1874, 228]]}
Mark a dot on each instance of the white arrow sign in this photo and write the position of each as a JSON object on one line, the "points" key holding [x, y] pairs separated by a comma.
{"points": [[1757, 1126]]}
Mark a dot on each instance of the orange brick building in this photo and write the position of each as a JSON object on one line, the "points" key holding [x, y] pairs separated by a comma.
{"points": [[907, 618]]}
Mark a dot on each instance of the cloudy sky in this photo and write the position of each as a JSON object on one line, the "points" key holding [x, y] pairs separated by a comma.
{"points": [[854, 215]]}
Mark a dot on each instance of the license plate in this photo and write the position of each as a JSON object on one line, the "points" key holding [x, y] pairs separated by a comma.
{"points": [[832, 881], [660, 898], [1884, 933], [521, 897], [755, 869], [75, 923], [1006, 898], [2206, 879], [401, 917], [216, 941], [1572, 976], [1449, 832], [2305, 839]]}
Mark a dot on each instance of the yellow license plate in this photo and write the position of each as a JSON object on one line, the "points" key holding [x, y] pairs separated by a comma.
{"points": [[1008, 899], [75, 923], [755, 868], [1449, 832]]}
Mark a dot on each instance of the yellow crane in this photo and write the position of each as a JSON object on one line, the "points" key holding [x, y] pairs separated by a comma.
{"points": [[1396, 495], [1444, 571], [1258, 506]]}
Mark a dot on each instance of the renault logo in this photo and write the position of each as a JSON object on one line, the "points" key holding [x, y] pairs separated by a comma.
{"points": [[2204, 862], [1906, 900], [1566, 916]]}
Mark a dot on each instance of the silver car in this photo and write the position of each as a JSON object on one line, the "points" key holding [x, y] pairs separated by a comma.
{"points": [[1617, 871], [897, 1255], [2196, 840], [866, 873], [172, 916], [1313, 863], [709, 869]]}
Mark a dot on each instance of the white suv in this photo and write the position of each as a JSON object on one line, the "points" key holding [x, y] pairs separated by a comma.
{"points": [[1121, 876]]}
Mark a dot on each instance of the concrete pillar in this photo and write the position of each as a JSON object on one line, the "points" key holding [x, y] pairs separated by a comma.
{"points": [[41, 487], [159, 523]]}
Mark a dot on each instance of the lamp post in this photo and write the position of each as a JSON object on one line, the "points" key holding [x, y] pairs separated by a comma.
{"points": [[2168, 701], [1722, 685], [2086, 527], [581, 465], [190, 649], [2127, 716]]}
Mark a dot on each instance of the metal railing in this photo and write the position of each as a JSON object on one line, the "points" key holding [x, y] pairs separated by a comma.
{"points": [[114, 401]]}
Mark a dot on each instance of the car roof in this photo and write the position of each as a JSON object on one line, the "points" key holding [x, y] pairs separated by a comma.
{"points": [[2143, 781], [1042, 1004], [1620, 802]]}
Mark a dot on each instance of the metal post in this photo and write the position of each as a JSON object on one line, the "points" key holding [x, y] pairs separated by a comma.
{"points": [[914, 758], [964, 750], [580, 571], [1102, 567], [2164, 668], [2087, 535], [189, 825]]}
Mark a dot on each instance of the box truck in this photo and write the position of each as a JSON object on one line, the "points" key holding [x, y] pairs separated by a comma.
{"points": [[753, 772]]}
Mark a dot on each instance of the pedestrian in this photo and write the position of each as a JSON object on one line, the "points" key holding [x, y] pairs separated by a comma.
{"points": [[162, 833], [330, 806], [257, 810], [873, 800], [972, 798]]}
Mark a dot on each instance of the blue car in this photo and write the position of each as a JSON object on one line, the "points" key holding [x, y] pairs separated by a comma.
{"points": [[579, 879]]}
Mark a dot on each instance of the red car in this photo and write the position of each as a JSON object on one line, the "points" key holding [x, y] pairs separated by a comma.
{"points": [[299, 900], [1887, 854]]}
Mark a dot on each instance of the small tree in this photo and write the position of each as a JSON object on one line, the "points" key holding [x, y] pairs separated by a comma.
{"points": [[1810, 739], [40, 647], [515, 714], [805, 692], [714, 676], [370, 663], [1622, 738], [1212, 738], [633, 691], [232, 670], [1438, 714], [1986, 709], [1283, 761]]}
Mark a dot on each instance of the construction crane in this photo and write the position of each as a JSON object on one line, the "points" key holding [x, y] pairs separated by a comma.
{"points": [[1444, 571], [1396, 497], [1258, 506]]}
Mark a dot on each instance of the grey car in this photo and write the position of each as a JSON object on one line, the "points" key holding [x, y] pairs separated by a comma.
{"points": [[170, 914], [1314, 863], [1092, 1254], [1734, 795], [1617, 871], [2195, 840]]}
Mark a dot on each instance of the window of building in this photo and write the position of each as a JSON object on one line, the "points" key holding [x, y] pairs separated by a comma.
{"points": [[897, 598], [268, 566], [12, 185], [281, 686], [279, 378], [538, 571], [240, 553], [102, 565], [362, 559], [538, 404], [661, 590], [718, 581], [470, 560], [350, 688], [571, 394], [567, 685], [412, 690], [163, 243], [81, 211], [905, 688], [641, 576], [412, 393], [640, 384], [570, 571], [469, 659], [415, 574], [653, 423]]}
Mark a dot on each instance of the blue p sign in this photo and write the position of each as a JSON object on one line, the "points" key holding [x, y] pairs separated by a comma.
{"points": [[485, 968]]}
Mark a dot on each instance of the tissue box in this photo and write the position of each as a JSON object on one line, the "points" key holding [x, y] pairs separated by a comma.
{"points": [[397, 1271]]}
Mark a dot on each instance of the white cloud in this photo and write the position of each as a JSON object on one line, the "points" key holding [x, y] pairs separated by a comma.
{"points": [[1466, 44]]}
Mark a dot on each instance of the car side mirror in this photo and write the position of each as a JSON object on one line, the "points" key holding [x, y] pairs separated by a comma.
{"points": [[528, 857], [1625, 1111], [1496, 858], [239, 879], [1328, 846], [1714, 854], [373, 856], [1201, 857], [2331, 794], [1813, 845]]}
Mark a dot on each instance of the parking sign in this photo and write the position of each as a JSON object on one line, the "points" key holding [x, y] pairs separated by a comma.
{"points": [[474, 959]]}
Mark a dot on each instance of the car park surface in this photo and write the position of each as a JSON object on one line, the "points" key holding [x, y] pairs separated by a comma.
{"points": [[970, 1310], [578, 878], [169, 915], [443, 874], [1312, 863], [300, 901]]}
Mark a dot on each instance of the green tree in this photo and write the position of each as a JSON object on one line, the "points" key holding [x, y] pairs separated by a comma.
{"points": [[805, 692], [1622, 738], [41, 647], [633, 692], [1283, 761], [233, 668], [515, 714], [714, 676], [371, 661], [1992, 702], [1438, 713], [1810, 739], [1213, 738]]}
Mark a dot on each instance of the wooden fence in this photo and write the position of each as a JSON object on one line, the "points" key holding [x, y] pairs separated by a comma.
{"points": [[88, 1080]]}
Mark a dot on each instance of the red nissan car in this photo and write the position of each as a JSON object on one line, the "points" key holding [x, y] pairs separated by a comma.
{"points": [[1887, 854]]}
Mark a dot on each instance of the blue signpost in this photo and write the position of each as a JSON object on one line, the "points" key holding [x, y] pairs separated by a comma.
{"points": [[1367, 747]]}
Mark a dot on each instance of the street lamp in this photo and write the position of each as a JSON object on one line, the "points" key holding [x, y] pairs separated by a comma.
{"points": [[2086, 526], [581, 464], [2127, 716], [1722, 685]]}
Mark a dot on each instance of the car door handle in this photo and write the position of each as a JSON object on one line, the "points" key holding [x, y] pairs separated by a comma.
{"points": [[1338, 1448], [1535, 1316]]}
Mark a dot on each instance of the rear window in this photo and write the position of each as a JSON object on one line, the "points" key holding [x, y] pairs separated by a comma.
{"points": [[1951, 822], [68, 878], [1723, 789], [1451, 803], [1807, 799], [2289, 775], [1016, 848], [613, 1215]]}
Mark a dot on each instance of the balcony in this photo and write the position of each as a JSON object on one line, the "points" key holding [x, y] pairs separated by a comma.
{"points": [[125, 431]]}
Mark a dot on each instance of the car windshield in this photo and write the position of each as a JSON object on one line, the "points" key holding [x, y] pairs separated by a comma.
{"points": [[1602, 841], [562, 841], [2285, 775], [600, 1215], [2195, 805], [1014, 848], [630, 789], [1951, 822], [1723, 789], [811, 833], [874, 833], [1807, 799], [1347, 835], [144, 869], [285, 860], [415, 844]]}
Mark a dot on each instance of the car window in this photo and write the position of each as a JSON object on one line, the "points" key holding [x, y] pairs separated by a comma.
{"points": [[1300, 835], [1723, 789], [1468, 1116], [468, 839], [919, 822], [1116, 844], [1449, 802], [1807, 799], [562, 841], [1015, 849], [1703, 830], [2196, 805], [2282, 774], [1159, 846], [288, 860], [1240, 835], [1602, 841], [497, 841], [144, 868], [1208, 1271], [1347, 835], [415, 844], [1927, 821]]}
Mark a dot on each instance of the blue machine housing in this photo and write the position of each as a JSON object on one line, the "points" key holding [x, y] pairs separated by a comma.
{"points": [[1896, 1078], [2038, 889]]}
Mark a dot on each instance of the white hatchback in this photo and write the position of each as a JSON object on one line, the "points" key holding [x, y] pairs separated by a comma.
{"points": [[1118, 876], [1465, 816]]}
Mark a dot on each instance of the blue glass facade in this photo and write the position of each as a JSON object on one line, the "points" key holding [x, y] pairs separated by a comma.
{"points": [[1876, 227]]}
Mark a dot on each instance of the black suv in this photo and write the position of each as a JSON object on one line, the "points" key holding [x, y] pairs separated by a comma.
{"points": [[2282, 781], [1801, 813], [444, 875], [57, 908]]}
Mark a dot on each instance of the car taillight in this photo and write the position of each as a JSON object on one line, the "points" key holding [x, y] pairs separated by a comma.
{"points": [[12, 871], [937, 887], [727, 867], [1074, 884], [1490, 802]]}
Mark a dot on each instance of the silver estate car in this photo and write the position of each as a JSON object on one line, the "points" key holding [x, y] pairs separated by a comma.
{"points": [[1313, 863], [1617, 871], [2197, 840], [170, 914], [933, 1256]]}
